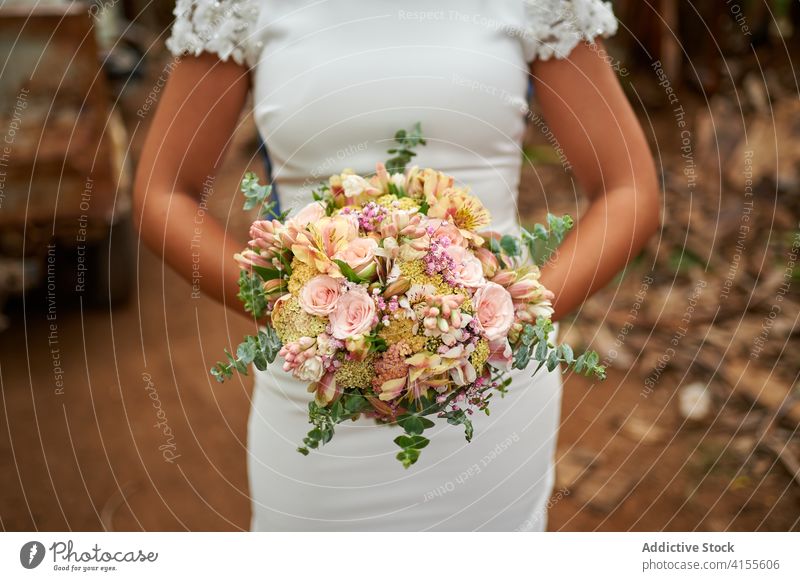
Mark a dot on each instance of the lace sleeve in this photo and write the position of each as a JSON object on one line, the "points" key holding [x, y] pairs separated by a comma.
{"points": [[555, 27], [221, 27]]}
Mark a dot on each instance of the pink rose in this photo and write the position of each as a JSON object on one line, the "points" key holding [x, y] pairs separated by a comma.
{"points": [[320, 295], [359, 254], [353, 315], [468, 269], [494, 309], [311, 213]]}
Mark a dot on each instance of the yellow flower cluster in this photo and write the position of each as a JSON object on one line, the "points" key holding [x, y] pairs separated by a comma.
{"points": [[480, 356], [392, 201], [301, 274], [291, 322], [432, 344], [414, 270], [402, 330], [357, 374]]}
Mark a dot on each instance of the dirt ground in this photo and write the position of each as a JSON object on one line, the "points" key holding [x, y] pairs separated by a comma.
{"points": [[142, 438]]}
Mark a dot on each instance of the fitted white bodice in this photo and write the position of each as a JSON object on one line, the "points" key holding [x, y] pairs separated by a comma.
{"points": [[334, 79]]}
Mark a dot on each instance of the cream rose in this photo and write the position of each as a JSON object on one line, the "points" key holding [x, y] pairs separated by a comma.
{"points": [[354, 185], [310, 370], [358, 253], [494, 309], [320, 295], [353, 315], [468, 269]]}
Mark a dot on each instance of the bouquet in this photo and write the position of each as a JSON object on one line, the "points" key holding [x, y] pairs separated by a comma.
{"points": [[388, 297]]}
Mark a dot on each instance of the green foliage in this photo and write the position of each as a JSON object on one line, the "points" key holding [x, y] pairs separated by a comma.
{"points": [[348, 272], [413, 442], [260, 350], [460, 418], [251, 292], [407, 141], [395, 190], [376, 344], [534, 345], [324, 419], [542, 241], [257, 196], [510, 245]]}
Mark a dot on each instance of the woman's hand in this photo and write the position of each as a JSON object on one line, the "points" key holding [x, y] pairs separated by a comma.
{"points": [[594, 124], [195, 120]]}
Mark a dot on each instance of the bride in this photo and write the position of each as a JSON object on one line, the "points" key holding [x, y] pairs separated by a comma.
{"points": [[331, 81]]}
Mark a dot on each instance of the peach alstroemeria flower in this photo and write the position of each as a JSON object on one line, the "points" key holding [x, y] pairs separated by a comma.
{"points": [[323, 240], [426, 370], [465, 210]]}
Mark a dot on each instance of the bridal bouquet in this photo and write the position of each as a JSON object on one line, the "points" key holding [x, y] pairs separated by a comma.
{"points": [[388, 298]]}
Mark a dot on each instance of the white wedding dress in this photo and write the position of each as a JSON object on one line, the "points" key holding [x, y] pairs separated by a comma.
{"points": [[332, 81]]}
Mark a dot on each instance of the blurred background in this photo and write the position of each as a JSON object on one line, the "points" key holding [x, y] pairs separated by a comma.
{"points": [[111, 421]]}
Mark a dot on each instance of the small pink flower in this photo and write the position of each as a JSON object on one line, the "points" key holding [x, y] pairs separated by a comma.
{"points": [[320, 295], [354, 314], [495, 310]]}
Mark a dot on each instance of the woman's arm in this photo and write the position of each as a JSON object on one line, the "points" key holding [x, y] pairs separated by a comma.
{"points": [[193, 125], [590, 116]]}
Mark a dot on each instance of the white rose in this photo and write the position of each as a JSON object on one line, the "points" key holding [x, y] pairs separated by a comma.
{"points": [[355, 185], [311, 370]]}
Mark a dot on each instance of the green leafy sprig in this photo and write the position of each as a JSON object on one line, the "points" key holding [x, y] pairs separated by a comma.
{"points": [[542, 241], [260, 350], [251, 293], [257, 195], [325, 419], [402, 154], [534, 344]]}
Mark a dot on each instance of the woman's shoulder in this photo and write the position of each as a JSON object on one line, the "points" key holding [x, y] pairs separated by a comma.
{"points": [[221, 27], [554, 27]]}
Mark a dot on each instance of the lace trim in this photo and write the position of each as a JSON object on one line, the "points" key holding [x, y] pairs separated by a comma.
{"points": [[555, 27], [219, 27]]}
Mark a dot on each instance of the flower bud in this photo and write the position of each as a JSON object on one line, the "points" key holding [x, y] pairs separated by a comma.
{"points": [[505, 277], [368, 271], [275, 287], [398, 287], [526, 289], [488, 262], [247, 259]]}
